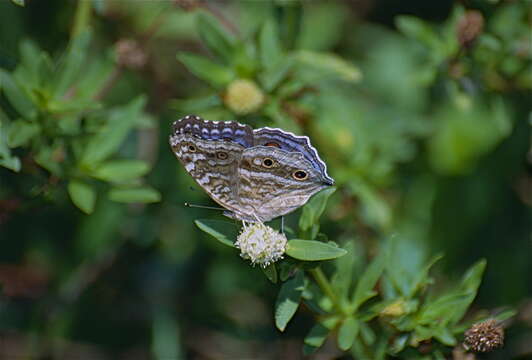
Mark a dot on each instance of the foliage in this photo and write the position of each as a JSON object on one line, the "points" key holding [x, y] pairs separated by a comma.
{"points": [[52, 112], [423, 125]]}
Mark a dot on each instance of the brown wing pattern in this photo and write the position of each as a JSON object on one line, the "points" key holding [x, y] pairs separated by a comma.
{"points": [[212, 164], [267, 187]]}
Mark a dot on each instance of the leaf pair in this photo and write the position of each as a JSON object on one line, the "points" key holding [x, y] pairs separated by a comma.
{"points": [[305, 250]]}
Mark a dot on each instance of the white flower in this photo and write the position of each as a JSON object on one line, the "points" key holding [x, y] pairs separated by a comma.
{"points": [[261, 244]]}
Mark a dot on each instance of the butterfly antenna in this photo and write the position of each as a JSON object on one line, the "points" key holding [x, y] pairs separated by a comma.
{"points": [[203, 206]]}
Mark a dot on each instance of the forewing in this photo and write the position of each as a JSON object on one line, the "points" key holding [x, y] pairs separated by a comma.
{"points": [[213, 164]]}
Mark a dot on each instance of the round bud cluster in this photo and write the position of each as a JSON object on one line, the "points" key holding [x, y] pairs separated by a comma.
{"points": [[261, 244], [484, 336], [243, 97], [129, 54]]}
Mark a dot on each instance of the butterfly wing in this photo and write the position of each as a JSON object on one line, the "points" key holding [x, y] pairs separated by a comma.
{"points": [[287, 141], [210, 152], [230, 131], [267, 186]]}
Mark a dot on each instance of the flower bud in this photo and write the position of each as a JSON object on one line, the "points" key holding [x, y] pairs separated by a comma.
{"points": [[395, 309], [243, 97], [484, 336], [129, 54], [469, 27]]}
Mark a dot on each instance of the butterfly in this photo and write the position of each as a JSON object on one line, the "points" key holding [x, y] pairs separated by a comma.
{"points": [[256, 174]]}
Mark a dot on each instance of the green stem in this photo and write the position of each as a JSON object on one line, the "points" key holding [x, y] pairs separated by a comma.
{"points": [[326, 287], [81, 18]]}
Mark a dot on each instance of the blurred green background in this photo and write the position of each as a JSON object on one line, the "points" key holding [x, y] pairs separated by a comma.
{"points": [[420, 109]]}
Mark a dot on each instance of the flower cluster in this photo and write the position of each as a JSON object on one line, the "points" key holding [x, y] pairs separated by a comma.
{"points": [[261, 244], [484, 336]]}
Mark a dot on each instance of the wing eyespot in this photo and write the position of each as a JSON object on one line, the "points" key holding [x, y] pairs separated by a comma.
{"points": [[267, 162], [222, 155], [300, 175], [192, 148]]}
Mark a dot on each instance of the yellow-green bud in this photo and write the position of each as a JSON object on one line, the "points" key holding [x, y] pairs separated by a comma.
{"points": [[243, 97], [397, 308]]}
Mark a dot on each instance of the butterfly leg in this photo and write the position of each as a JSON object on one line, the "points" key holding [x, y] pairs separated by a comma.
{"points": [[282, 224]]}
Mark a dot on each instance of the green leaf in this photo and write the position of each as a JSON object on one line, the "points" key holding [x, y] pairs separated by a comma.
{"points": [[442, 309], [347, 333], [271, 273], [120, 121], [308, 349], [368, 280], [314, 208], [165, 334], [418, 29], [245, 62], [208, 71], [472, 278], [121, 170], [467, 128], [343, 276], [367, 333], [16, 96], [310, 250], [332, 17], [21, 132], [399, 343], [444, 335], [272, 76], [215, 37], [196, 105], [422, 277], [82, 195], [18, 2], [288, 300], [506, 314], [286, 269], [317, 335], [469, 288], [223, 231], [271, 52], [6, 160], [35, 68], [12, 163], [47, 157], [375, 210], [71, 67], [142, 194], [315, 66], [97, 70], [458, 301]]}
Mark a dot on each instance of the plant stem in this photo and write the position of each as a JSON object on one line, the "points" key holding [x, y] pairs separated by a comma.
{"points": [[326, 287], [81, 18]]}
